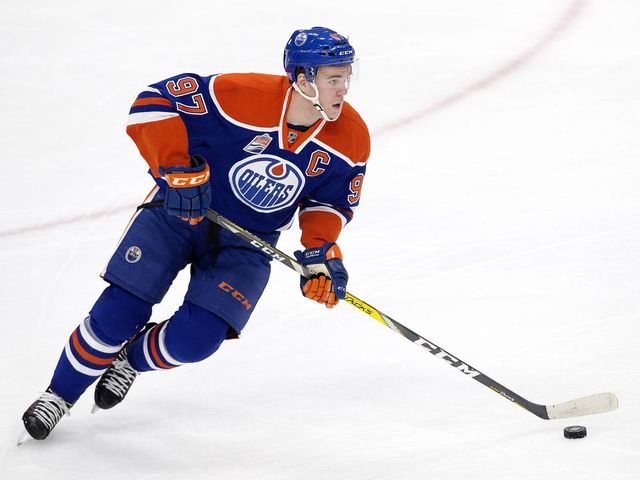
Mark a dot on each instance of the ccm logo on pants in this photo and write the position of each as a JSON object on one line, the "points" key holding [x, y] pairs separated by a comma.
{"points": [[235, 294]]}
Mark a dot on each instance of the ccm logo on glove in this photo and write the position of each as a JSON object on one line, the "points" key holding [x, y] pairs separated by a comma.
{"points": [[182, 180], [188, 192]]}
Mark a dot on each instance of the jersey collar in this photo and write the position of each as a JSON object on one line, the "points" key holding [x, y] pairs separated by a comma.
{"points": [[294, 140]]}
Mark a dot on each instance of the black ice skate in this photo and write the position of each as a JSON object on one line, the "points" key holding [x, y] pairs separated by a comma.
{"points": [[117, 380], [43, 415]]}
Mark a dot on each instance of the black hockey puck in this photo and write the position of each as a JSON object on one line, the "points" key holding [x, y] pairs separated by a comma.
{"points": [[575, 431]]}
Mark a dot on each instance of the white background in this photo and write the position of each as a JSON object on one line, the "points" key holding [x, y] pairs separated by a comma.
{"points": [[500, 219]]}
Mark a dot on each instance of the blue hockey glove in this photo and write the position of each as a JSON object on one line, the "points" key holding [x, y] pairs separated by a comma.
{"points": [[329, 282], [189, 192]]}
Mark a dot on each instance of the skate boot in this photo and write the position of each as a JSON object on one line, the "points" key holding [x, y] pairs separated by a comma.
{"points": [[43, 415], [117, 380]]}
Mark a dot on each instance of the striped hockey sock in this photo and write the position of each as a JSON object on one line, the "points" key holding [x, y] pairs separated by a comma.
{"points": [[149, 352], [84, 359]]}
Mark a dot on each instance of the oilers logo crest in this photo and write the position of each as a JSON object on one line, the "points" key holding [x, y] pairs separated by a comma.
{"points": [[300, 39], [266, 183], [133, 254]]}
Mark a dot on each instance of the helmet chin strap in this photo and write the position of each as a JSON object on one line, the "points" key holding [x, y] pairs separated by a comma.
{"points": [[314, 100]]}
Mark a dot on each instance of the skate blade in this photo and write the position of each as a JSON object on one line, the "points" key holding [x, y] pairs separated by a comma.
{"points": [[95, 408], [23, 438]]}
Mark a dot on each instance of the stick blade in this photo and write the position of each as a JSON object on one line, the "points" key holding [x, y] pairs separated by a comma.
{"points": [[591, 405]]}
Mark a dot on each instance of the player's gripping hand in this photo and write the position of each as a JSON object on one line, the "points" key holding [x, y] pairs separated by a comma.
{"points": [[329, 282], [189, 192]]}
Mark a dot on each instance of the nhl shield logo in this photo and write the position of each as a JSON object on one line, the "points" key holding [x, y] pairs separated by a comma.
{"points": [[266, 183], [258, 144]]}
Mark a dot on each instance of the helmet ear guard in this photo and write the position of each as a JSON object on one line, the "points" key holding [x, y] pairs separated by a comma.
{"points": [[308, 72]]}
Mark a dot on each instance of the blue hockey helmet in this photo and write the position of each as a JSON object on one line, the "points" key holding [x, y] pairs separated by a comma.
{"points": [[316, 47]]}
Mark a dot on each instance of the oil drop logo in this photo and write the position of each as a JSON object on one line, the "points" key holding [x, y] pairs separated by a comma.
{"points": [[266, 183]]}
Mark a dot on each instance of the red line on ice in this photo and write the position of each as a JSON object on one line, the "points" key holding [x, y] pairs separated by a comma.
{"points": [[63, 221], [507, 69]]}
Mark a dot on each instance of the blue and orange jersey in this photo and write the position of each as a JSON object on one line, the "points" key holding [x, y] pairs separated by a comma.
{"points": [[262, 170]]}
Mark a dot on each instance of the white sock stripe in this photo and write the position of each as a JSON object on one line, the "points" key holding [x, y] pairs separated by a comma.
{"points": [[163, 347], [145, 350], [88, 336], [78, 366]]}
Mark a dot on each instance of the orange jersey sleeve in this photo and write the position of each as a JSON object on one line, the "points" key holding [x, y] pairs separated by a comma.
{"points": [[319, 228], [322, 219], [158, 131]]}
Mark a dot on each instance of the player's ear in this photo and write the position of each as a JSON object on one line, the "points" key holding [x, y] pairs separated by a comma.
{"points": [[301, 80]]}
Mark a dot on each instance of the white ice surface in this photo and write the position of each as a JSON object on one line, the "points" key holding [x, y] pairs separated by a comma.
{"points": [[502, 223]]}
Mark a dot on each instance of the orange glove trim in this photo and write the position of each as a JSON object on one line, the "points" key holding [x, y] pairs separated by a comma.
{"points": [[334, 253]]}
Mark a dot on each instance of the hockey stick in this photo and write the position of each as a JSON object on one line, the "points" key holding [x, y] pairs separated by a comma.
{"points": [[598, 403]]}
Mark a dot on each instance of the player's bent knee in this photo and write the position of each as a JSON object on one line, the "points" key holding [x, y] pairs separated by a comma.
{"points": [[118, 314], [194, 333]]}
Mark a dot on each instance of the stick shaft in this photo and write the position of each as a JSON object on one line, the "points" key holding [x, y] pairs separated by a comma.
{"points": [[599, 405]]}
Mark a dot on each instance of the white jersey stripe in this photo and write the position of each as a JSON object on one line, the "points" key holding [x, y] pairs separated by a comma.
{"points": [[146, 117]]}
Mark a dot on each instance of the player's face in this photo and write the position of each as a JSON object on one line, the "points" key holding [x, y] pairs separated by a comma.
{"points": [[333, 85]]}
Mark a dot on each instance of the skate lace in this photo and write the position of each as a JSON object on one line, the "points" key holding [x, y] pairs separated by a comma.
{"points": [[50, 408], [120, 378]]}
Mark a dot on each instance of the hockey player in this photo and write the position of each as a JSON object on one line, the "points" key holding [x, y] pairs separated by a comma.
{"points": [[257, 148]]}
